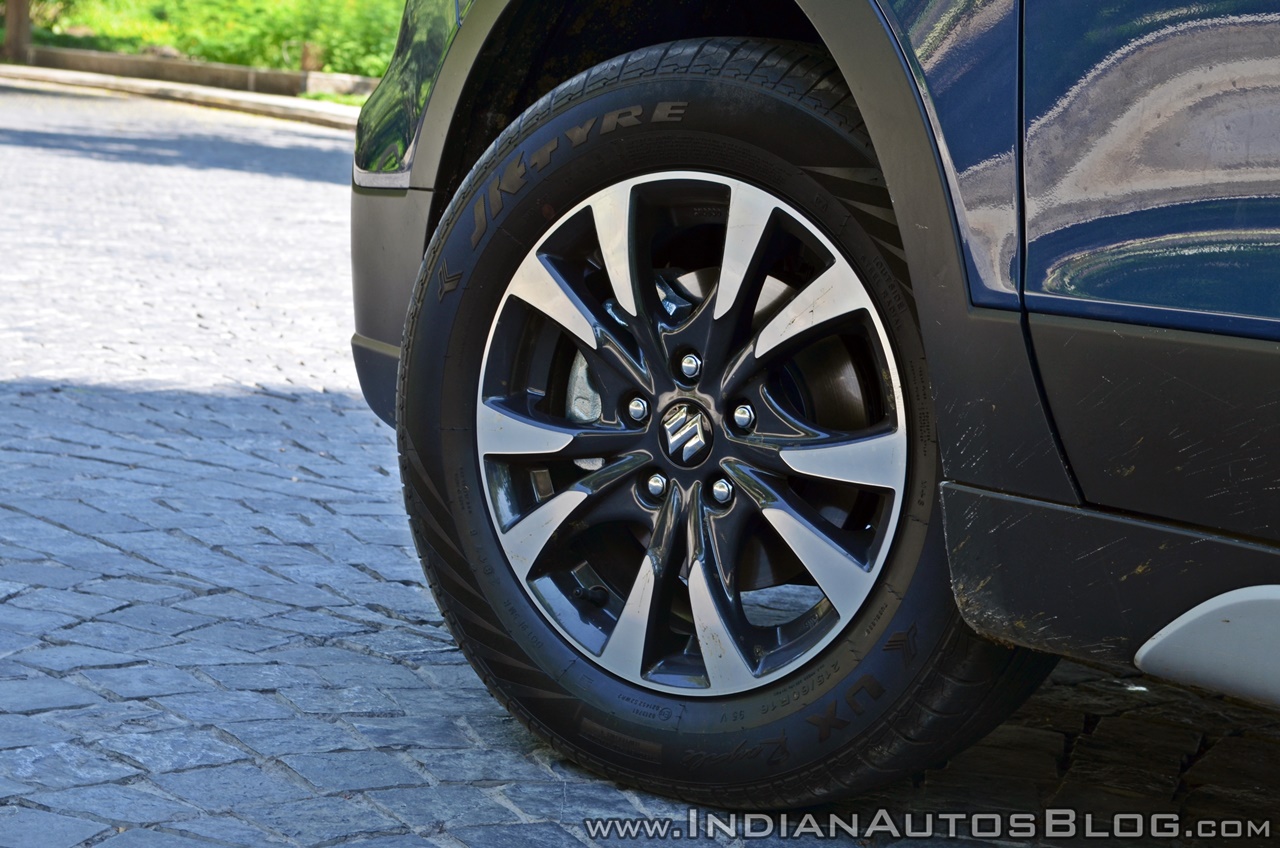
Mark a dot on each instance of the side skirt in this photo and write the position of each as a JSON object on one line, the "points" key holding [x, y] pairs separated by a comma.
{"points": [[1094, 585]]}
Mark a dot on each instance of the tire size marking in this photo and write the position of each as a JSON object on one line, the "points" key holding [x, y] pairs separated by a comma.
{"points": [[512, 179], [813, 681]]}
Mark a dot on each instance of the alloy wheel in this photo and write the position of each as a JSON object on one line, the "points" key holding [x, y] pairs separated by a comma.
{"points": [[691, 430]]}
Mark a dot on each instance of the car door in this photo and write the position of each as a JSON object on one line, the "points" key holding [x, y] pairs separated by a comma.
{"points": [[1152, 276]]}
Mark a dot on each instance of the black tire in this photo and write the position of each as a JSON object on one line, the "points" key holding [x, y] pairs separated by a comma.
{"points": [[898, 685]]}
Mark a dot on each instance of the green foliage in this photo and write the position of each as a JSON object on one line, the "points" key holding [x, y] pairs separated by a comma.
{"points": [[347, 36]]}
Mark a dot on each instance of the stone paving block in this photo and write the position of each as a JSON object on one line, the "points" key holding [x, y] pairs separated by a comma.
{"points": [[353, 700], [436, 807], [264, 677], [11, 642], [32, 622], [372, 672], [229, 605], [353, 770], [67, 601], [242, 636], [1243, 763], [125, 589], [322, 625], [61, 766], [296, 595], [226, 830], [21, 827], [174, 750], [452, 677], [314, 656], [479, 766], [94, 723], [568, 802], [405, 840], [11, 788], [144, 681], [122, 805], [192, 654], [41, 694], [64, 658], [221, 707], [222, 788], [541, 835], [113, 637], [321, 821], [292, 736], [18, 731], [46, 574], [412, 732], [425, 701], [140, 838], [167, 621]]}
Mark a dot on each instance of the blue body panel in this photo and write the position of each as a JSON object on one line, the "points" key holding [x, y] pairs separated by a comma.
{"points": [[1153, 163], [964, 55]]}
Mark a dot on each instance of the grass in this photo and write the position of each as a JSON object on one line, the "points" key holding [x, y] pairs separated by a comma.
{"points": [[345, 99], [339, 36]]}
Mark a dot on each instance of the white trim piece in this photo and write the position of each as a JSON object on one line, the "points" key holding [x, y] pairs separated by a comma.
{"points": [[1229, 644]]}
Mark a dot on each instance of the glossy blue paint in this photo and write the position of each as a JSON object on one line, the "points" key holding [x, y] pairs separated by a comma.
{"points": [[389, 122], [964, 54], [1152, 159]]}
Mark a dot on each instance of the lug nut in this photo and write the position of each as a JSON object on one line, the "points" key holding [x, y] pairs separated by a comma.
{"points": [[657, 485], [638, 409], [722, 491], [744, 416], [691, 365]]}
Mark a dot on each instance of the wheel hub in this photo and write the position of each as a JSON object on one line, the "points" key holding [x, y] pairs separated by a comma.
{"points": [[686, 434]]}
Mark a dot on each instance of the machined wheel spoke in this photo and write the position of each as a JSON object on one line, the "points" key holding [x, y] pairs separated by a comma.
{"points": [[835, 294], [539, 286], [612, 212], [841, 576], [624, 652], [501, 431], [538, 283], [879, 460], [525, 540], [714, 617], [749, 212]]}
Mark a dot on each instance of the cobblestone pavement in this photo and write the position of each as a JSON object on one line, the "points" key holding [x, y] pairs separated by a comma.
{"points": [[212, 628]]}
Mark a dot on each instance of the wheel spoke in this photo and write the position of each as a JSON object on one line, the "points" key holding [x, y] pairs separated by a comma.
{"points": [[714, 616], [835, 293], [838, 573], [501, 431], [625, 650], [844, 578], [525, 540], [749, 212], [538, 285], [612, 212], [879, 460]]}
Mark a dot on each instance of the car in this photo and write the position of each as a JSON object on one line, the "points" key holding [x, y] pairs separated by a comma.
{"points": [[782, 386]]}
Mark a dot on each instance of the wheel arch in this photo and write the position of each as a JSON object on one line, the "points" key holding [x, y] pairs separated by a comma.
{"points": [[552, 44]]}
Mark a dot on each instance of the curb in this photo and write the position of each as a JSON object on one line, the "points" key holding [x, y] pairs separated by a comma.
{"points": [[335, 115]]}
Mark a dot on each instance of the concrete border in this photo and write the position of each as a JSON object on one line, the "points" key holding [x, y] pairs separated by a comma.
{"points": [[215, 74], [318, 112]]}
